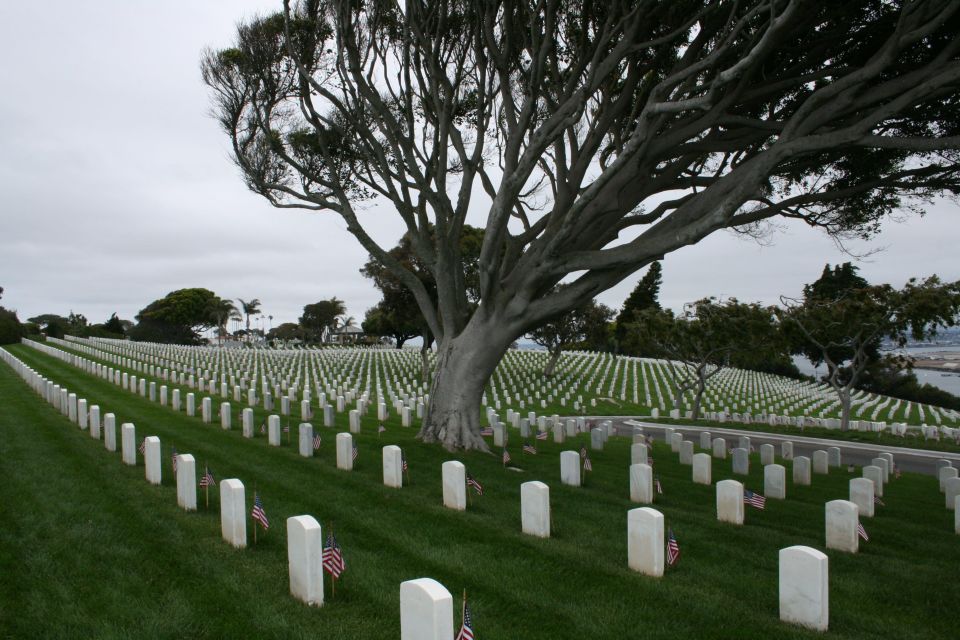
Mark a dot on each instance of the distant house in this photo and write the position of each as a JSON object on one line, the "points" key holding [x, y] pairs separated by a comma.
{"points": [[347, 335]]}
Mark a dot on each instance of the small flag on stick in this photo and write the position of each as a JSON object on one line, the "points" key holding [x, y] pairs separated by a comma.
{"points": [[316, 442], [877, 500], [656, 483], [333, 560], [380, 430], [356, 453], [472, 482], [673, 549], [258, 514], [506, 457], [486, 432], [466, 628], [173, 459], [143, 446], [529, 448], [862, 533]]}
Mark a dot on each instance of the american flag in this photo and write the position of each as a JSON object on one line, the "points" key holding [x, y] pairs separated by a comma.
{"points": [[587, 465], [877, 500], [472, 482], [466, 629], [583, 452], [143, 446], [486, 432], [258, 514], [754, 499], [529, 448], [506, 456], [286, 429], [207, 479], [173, 458], [673, 549], [263, 427], [316, 442], [356, 453], [403, 461], [896, 471], [862, 533], [542, 435], [333, 557], [381, 429], [656, 483]]}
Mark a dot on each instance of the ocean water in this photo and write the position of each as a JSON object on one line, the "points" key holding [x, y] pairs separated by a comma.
{"points": [[949, 382]]}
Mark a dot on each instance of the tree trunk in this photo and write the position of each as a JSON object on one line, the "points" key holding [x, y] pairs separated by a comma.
{"points": [[400, 341], [552, 363], [844, 408], [464, 364], [701, 387]]}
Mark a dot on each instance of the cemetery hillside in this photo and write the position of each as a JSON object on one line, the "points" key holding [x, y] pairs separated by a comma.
{"points": [[560, 319], [278, 422]]}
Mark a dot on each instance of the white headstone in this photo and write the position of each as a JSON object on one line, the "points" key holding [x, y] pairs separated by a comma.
{"points": [[535, 509], [246, 421], [686, 452], [786, 450], [767, 454], [952, 489], [273, 430], [454, 479], [821, 462], [645, 541], [426, 610], [305, 431], [392, 466], [186, 482], [801, 470], [225, 417], [945, 474], [702, 469], [875, 474], [344, 451], [570, 468], [128, 443], [730, 502], [741, 461], [861, 494], [110, 432], [775, 481], [151, 459], [719, 448], [842, 518], [233, 512], [94, 421], [641, 483], [638, 453], [804, 589], [305, 559], [82, 413]]}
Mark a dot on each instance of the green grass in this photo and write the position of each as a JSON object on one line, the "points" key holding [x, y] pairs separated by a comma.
{"points": [[89, 549]]}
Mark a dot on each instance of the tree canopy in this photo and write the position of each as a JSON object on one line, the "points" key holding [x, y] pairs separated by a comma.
{"points": [[320, 318], [603, 135], [178, 317]]}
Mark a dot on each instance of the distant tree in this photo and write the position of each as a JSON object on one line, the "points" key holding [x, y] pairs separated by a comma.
{"points": [[222, 311], [705, 339], [114, 325], [1, 293], [845, 332], [249, 309], [45, 319], [285, 331], [646, 295], [564, 330], [320, 318], [11, 331], [597, 330], [178, 317], [384, 320], [76, 322]]}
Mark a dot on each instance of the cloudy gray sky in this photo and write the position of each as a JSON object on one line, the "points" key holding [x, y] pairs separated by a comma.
{"points": [[116, 185]]}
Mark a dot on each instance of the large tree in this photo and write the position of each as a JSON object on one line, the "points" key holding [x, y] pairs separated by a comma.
{"points": [[843, 327], [646, 295], [249, 308], [591, 138]]}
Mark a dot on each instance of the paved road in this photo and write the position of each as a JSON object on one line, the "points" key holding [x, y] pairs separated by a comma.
{"points": [[856, 453]]}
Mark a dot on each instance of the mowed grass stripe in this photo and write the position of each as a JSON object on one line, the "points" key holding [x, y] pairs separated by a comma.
{"points": [[575, 584]]}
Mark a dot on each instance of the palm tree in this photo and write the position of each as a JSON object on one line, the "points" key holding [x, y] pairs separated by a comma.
{"points": [[249, 309], [222, 311]]}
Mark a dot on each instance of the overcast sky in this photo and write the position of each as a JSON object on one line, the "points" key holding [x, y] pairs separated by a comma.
{"points": [[116, 185]]}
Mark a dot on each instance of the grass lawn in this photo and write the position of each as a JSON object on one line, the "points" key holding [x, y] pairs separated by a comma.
{"points": [[89, 549]]}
